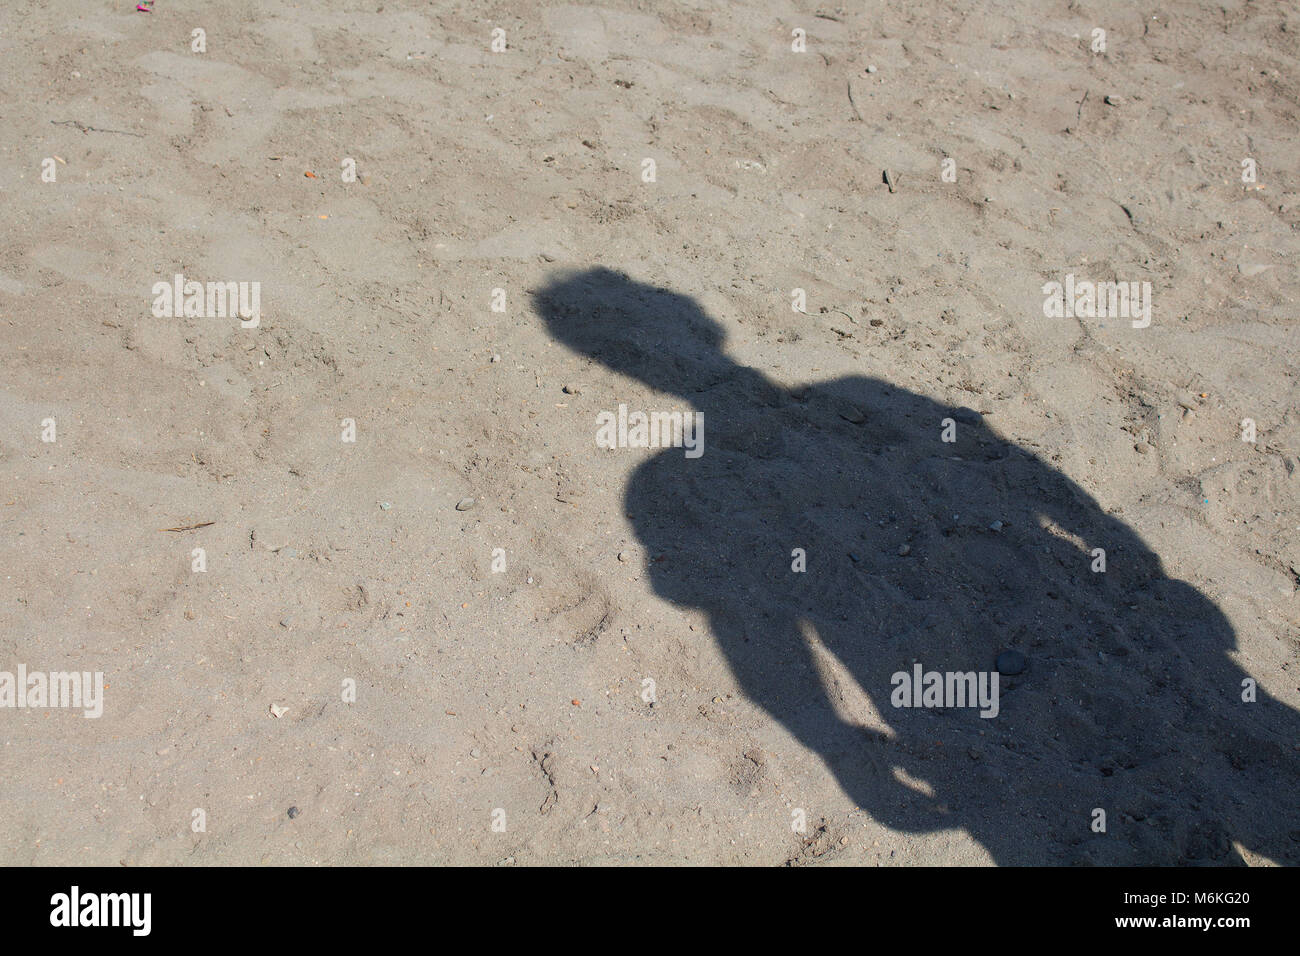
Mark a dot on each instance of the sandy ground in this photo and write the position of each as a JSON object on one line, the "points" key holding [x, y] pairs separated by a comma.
{"points": [[648, 679]]}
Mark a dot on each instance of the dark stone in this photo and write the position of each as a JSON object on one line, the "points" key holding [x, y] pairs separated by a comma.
{"points": [[1012, 663]]}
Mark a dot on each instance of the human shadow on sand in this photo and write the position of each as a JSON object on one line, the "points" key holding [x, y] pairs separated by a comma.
{"points": [[946, 554]]}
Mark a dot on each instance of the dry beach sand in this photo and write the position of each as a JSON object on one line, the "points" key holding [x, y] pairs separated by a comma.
{"points": [[648, 679]]}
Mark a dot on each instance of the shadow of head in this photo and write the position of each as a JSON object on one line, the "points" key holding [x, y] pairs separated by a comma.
{"points": [[638, 330]]}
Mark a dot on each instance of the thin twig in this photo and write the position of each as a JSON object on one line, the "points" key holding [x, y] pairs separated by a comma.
{"points": [[849, 85], [94, 129]]}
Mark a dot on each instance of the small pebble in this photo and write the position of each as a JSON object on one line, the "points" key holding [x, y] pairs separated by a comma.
{"points": [[1142, 448], [572, 389], [293, 812], [871, 69], [385, 505], [465, 504], [996, 526], [496, 358], [623, 555], [1011, 663], [904, 550], [1113, 100]]}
